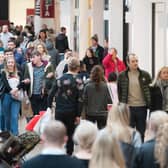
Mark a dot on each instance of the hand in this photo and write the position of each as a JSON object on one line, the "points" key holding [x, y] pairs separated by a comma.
{"points": [[50, 75], [14, 91], [26, 81]]}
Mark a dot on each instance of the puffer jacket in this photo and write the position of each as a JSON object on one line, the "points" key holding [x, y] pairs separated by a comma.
{"points": [[123, 85]]}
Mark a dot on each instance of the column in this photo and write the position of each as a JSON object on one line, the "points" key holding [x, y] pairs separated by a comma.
{"points": [[116, 25], [83, 27], [98, 19]]}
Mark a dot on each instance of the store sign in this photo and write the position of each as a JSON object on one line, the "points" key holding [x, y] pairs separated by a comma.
{"points": [[47, 9]]}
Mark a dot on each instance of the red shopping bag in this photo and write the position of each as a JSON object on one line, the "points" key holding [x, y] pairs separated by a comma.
{"points": [[31, 124]]}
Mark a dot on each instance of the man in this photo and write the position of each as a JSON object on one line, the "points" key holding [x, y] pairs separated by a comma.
{"points": [[39, 76], [97, 49], [5, 35], [68, 90], [18, 53], [133, 89], [61, 43], [145, 156], [53, 155]]}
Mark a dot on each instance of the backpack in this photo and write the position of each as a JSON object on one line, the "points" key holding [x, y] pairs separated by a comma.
{"points": [[129, 151]]}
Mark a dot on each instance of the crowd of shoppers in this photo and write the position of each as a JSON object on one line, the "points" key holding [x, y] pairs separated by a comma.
{"points": [[45, 68]]}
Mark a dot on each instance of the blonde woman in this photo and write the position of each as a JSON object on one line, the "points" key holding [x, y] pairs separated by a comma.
{"points": [[10, 106], [106, 152], [40, 47], [118, 124], [159, 91], [161, 146], [84, 137]]}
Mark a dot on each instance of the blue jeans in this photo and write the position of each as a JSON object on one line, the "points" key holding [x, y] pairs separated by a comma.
{"points": [[11, 108], [2, 120]]}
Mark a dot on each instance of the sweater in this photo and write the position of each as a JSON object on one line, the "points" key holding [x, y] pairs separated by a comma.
{"points": [[53, 161]]}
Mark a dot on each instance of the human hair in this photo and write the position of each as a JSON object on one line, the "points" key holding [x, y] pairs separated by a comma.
{"points": [[161, 146], [118, 122], [55, 132], [106, 152], [97, 75], [95, 37], [44, 47], [115, 50], [112, 77], [63, 29], [8, 50], [158, 75], [44, 31], [35, 53], [15, 70], [12, 41], [128, 57], [91, 51], [156, 119], [85, 134], [73, 64]]}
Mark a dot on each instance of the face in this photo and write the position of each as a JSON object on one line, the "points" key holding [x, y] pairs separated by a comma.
{"points": [[35, 59], [8, 54], [1, 57], [5, 29], [40, 49], [10, 63], [93, 42], [133, 62], [164, 74], [88, 53], [113, 53], [42, 35], [11, 45]]}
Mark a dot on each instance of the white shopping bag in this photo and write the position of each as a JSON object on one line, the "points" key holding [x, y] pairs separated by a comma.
{"points": [[43, 121]]}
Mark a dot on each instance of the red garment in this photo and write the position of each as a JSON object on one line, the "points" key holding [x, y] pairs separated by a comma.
{"points": [[109, 65]]}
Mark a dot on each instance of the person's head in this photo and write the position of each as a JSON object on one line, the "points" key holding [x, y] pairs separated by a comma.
{"points": [[41, 48], [5, 28], [8, 53], [89, 53], [113, 52], [68, 54], [106, 152], [161, 146], [97, 74], [36, 57], [132, 61], [156, 119], [10, 65], [54, 134], [163, 73], [73, 65], [85, 135], [42, 34], [112, 77], [94, 40], [63, 30], [118, 122], [11, 44]]}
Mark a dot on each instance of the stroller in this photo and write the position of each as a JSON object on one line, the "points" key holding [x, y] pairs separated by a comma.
{"points": [[14, 148]]}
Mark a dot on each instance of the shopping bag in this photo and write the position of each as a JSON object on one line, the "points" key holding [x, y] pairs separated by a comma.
{"points": [[43, 121], [31, 124]]}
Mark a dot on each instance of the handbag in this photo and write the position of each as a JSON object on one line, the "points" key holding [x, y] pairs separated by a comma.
{"points": [[20, 95]]}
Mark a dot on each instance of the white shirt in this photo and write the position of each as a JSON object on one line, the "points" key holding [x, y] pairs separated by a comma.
{"points": [[53, 151]]}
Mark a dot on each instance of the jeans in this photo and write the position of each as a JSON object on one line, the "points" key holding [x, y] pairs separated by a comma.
{"points": [[2, 120], [138, 119], [11, 108]]}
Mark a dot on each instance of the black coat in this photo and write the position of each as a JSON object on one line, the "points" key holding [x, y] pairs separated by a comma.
{"points": [[156, 98]]}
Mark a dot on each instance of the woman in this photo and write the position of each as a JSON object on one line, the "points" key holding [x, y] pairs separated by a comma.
{"points": [[84, 136], [90, 60], [159, 91], [106, 152], [112, 63], [161, 146], [11, 106], [118, 125], [43, 51], [96, 97]]}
